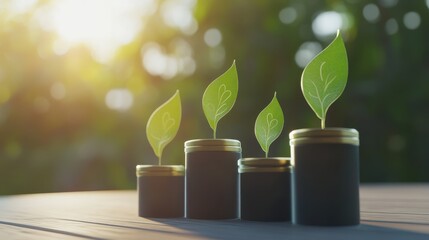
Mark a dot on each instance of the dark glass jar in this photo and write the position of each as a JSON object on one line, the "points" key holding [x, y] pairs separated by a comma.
{"points": [[265, 193], [212, 178], [160, 190], [326, 176]]}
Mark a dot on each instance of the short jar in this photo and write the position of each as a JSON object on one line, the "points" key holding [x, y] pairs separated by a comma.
{"points": [[326, 176], [160, 191], [211, 186], [265, 189]]}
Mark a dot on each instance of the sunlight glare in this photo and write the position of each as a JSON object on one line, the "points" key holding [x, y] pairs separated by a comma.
{"points": [[18, 6], [102, 25]]}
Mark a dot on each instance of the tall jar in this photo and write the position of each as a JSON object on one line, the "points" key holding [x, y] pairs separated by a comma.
{"points": [[265, 189], [211, 186], [326, 176], [160, 191]]}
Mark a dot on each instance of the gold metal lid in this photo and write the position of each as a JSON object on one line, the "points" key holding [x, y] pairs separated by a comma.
{"points": [[327, 132], [160, 170], [212, 142], [328, 135], [264, 162], [278, 164], [230, 145]]}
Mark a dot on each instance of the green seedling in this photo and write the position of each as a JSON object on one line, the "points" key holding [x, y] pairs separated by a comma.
{"points": [[163, 124], [219, 97], [269, 124], [324, 78]]}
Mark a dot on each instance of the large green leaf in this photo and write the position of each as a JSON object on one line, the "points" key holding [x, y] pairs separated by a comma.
{"points": [[163, 124], [269, 124], [219, 97], [324, 78]]}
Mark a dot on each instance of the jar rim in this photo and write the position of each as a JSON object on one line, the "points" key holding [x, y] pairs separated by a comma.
{"points": [[212, 142], [268, 165], [327, 132], [265, 162], [160, 170]]}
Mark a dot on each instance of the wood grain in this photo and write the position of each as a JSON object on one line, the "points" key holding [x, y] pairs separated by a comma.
{"points": [[393, 211]]}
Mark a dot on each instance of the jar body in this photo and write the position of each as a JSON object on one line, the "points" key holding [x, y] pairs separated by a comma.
{"points": [[211, 185], [265, 196], [161, 195], [325, 182]]}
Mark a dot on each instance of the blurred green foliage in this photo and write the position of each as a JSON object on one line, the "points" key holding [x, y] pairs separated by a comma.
{"points": [[58, 134]]}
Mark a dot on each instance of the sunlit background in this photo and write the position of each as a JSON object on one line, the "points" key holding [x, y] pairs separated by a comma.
{"points": [[79, 79]]}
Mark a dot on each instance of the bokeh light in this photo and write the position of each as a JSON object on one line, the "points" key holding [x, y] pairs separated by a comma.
{"points": [[179, 14], [306, 52], [158, 63], [119, 99], [371, 13], [412, 20], [391, 26], [327, 23], [213, 37], [388, 3], [58, 91], [288, 15]]}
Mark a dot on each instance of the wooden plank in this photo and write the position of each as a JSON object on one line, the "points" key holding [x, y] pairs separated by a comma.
{"points": [[397, 206], [388, 212]]}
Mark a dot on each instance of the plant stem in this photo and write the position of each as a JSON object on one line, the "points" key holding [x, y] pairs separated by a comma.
{"points": [[323, 123], [159, 159], [214, 133], [266, 154]]}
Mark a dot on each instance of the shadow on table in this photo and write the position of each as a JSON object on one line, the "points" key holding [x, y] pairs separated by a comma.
{"points": [[236, 229]]}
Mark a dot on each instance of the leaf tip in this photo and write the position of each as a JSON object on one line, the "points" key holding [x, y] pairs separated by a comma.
{"points": [[339, 36], [177, 93]]}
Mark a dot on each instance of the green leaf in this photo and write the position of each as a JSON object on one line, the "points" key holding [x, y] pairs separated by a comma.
{"points": [[324, 78], [163, 124], [220, 96], [269, 124]]}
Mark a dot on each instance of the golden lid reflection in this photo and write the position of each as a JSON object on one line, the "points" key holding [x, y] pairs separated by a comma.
{"points": [[278, 164], [160, 170], [229, 145], [328, 135]]}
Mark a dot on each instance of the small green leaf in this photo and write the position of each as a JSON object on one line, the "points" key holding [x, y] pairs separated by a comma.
{"points": [[269, 124], [325, 77], [220, 96], [163, 124]]}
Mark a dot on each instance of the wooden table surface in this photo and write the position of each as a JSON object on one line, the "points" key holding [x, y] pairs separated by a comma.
{"points": [[392, 211]]}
